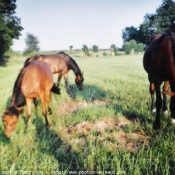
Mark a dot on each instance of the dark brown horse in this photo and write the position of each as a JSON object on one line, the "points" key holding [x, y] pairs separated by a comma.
{"points": [[158, 61], [61, 63], [35, 80], [152, 87]]}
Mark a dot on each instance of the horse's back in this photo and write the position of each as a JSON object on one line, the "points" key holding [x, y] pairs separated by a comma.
{"points": [[37, 78], [57, 63]]}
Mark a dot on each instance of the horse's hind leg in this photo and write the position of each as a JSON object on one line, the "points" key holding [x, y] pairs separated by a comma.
{"points": [[158, 105], [48, 99], [151, 90], [165, 89], [35, 103]]}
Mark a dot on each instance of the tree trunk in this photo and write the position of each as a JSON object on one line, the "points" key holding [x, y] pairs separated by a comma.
{"points": [[132, 51]]}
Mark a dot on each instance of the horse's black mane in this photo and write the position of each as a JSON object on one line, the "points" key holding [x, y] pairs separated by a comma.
{"points": [[26, 61], [19, 99], [11, 110], [73, 65]]}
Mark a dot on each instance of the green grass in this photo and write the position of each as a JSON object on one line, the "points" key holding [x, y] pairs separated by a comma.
{"points": [[107, 128]]}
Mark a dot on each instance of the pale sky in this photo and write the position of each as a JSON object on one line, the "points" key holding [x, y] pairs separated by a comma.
{"points": [[59, 24]]}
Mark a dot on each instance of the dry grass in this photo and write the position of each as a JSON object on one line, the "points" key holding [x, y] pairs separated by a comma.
{"points": [[110, 131]]}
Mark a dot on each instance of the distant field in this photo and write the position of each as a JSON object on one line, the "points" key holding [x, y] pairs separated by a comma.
{"points": [[106, 129]]}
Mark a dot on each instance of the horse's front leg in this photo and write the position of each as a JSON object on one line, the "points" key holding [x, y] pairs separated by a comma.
{"points": [[66, 82], [59, 80], [28, 110], [165, 89]]}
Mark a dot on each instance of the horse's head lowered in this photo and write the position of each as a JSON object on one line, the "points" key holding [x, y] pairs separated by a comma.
{"points": [[79, 81], [10, 120]]}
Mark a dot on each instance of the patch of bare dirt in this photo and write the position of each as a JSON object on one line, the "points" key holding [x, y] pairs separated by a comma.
{"points": [[73, 106], [110, 133]]}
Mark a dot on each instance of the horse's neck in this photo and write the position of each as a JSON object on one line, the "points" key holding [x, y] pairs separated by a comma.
{"points": [[74, 67]]}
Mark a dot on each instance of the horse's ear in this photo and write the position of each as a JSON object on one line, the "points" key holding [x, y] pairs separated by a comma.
{"points": [[82, 72], [172, 94]]}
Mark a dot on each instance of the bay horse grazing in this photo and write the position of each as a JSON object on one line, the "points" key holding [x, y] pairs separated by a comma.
{"points": [[158, 61], [35, 80], [152, 87], [61, 63]]}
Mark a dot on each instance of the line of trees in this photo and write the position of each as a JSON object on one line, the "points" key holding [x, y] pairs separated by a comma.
{"points": [[129, 47], [95, 49]]}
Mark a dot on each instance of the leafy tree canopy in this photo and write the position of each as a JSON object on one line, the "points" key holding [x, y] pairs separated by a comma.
{"points": [[32, 44], [140, 47], [160, 22], [127, 47], [133, 44], [114, 48], [85, 50], [95, 48], [10, 26]]}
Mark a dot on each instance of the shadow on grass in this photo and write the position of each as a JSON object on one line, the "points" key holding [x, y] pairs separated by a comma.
{"points": [[133, 115], [52, 145], [89, 93], [92, 93]]}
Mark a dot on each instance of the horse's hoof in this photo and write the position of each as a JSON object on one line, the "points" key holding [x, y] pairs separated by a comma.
{"points": [[47, 127], [50, 112], [165, 112], [153, 111], [173, 121]]}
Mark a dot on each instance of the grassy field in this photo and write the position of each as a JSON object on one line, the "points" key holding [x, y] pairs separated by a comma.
{"points": [[105, 129]]}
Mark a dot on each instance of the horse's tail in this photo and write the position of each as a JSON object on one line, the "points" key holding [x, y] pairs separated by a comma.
{"points": [[172, 43], [55, 89]]}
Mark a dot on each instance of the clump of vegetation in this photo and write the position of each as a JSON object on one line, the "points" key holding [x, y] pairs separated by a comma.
{"points": [[131, 46]]}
